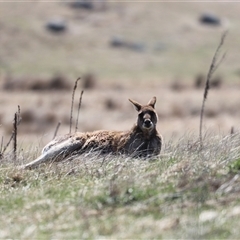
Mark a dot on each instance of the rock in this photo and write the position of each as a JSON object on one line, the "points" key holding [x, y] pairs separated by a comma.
{"points": [[210, 19], [119, 42], [86, 4], [56, 25]]}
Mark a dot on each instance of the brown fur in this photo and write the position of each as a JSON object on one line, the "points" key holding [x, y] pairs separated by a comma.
{"points": [[142, 140]]}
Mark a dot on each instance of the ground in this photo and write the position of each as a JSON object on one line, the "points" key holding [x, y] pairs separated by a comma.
{"points": [[187, 192]]}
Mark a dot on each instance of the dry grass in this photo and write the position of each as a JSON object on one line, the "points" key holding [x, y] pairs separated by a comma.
{"points": [[186, 193]]}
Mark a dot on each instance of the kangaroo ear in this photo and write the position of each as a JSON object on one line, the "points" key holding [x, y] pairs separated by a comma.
{"points": [[152, 102], [137, 105]]}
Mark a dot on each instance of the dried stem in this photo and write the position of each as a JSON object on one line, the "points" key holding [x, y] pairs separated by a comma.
{"points": [[214, 65], [79, 107], [71, 113], [15, 123], [56, 130], [1, 145], [19, 119], [1, 155], [5, 148]]}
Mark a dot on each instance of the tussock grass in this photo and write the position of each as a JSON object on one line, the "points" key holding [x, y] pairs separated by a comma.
{"points": [[188, 192]]}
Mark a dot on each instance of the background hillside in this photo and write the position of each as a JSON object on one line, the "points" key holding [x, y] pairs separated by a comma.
{"points": [[120, 50]]}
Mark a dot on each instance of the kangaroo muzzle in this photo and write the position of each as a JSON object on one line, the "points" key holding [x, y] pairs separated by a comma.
{"points": [[147, 123]]}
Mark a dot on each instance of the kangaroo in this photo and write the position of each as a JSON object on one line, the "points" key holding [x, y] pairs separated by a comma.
{"points": [[143, 140]]}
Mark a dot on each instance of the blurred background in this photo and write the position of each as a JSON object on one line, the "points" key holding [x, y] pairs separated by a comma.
{"points": [[120, 50]]}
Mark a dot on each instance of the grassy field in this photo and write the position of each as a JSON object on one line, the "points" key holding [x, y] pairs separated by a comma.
{"points": [[187, 193], [177, 48]]}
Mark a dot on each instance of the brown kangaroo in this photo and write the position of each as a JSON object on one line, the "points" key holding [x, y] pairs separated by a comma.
{"points": [[142, 140]]}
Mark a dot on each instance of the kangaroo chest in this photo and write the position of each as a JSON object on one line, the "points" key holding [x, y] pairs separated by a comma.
{"points": [[137, 146]]}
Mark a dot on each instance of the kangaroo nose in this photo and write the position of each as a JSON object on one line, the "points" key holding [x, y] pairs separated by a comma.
{"points": [[147, 122]]}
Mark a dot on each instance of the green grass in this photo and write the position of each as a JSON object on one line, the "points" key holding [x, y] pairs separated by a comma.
{"points": [[186, 193]]}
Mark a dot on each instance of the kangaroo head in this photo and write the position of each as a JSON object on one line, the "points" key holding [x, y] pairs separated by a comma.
{"points": [[147, 116]]}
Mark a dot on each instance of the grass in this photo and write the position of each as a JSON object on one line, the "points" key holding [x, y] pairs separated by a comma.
{"points": [[186, 193]]}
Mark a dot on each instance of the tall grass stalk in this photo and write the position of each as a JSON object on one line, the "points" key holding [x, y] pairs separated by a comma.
{"points": [[213, 67], [15, 136], [71, 112], [79, 107], [56, 130], [16, 121]]}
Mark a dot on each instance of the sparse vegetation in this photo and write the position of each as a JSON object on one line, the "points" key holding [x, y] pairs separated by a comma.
{"points": [[186, 193], [191, 191]]}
